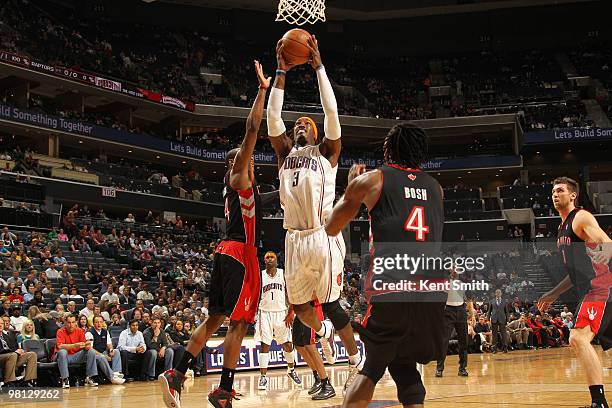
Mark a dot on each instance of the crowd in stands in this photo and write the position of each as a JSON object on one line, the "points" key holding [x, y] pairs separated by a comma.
{"points": [[171, 60]]}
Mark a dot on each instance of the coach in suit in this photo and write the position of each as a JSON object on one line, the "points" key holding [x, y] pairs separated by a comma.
{"points": [[499, 317]]}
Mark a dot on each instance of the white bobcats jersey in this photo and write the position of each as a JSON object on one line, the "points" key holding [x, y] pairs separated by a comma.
{"points": [[307, 188], [273, 292]]}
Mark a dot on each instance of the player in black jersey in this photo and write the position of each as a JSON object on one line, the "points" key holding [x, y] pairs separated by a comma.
{"points": [[236, 279], [400, 329], [586, 252]]}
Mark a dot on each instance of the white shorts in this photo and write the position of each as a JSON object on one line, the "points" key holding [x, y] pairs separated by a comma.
{"points": [[271, 325], [314, 266]]}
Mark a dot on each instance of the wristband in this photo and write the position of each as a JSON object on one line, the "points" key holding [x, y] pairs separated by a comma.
{"points": [[319, 67], [281, 72], [263, 87]]}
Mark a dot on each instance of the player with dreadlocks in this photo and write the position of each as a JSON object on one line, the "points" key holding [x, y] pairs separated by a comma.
{"points": [[401, 327]]}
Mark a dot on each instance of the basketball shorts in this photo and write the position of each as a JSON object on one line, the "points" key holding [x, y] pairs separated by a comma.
{"points": [[271, 326], [397, 336], [302, 334], [314, 266], [235, 282], [598, 316]]}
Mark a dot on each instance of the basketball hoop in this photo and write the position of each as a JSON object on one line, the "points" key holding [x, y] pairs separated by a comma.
{"points": [[300, 12]]}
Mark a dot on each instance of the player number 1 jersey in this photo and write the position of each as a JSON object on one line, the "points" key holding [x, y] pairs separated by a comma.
{"points": [[273, 292]]}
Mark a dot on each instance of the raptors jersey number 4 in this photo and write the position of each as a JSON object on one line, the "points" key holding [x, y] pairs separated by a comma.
{"points": [[307, 188]]}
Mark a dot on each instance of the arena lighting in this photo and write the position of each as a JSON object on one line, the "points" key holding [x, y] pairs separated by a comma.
{"points": [[129, 151], [157, 157], [537, 152], [469, 172], [80, 142], [184, 162], [569, 150]]}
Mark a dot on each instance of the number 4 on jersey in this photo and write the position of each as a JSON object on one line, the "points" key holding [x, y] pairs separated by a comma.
{"points": [[416, 222]]}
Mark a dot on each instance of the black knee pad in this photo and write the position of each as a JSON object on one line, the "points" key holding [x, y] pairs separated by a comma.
{"points": [[410, 388], [336, 314]]}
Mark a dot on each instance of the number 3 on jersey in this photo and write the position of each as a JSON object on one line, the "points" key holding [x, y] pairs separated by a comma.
{"points": [[416, 222], [296, 178]]}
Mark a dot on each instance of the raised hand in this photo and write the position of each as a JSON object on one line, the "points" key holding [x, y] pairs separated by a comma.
{"points": [[280, 58], [264, 83], [315, 56], [356, 171], [545, 301]]}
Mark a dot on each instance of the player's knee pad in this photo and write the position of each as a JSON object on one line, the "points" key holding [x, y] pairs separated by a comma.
{"points": [[336, 314]]}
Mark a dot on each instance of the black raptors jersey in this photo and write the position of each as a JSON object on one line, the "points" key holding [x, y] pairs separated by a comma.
{"points": [[243, 213], [579, 265], [409, 211]]}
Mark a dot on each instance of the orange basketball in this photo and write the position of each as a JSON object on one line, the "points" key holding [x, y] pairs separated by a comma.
{"points": [[295, 46]]}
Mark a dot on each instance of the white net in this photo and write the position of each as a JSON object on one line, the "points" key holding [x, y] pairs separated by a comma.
{"points": [[300, 12]]}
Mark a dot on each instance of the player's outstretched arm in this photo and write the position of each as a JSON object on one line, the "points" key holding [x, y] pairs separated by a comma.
{"points": [[363, 188], [587, 228], [277, 133], [239, 177], [331, 145]]}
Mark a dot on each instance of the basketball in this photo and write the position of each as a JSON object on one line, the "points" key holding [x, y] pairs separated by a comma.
{"points": [[295, 42]]}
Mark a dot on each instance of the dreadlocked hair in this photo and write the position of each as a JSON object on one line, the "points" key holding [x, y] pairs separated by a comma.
{"points": [[405, 145]]}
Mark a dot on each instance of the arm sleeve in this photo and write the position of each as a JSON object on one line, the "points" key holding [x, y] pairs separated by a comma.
{"points": [[276, 126], [330, 106]]}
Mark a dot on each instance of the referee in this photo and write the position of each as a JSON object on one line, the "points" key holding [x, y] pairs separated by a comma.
{"points": [[455, 316]]}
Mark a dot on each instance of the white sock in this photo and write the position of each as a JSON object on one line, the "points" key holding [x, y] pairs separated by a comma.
{"points": [[355, 359], [264, 358], [289, 358], [322, 331]]}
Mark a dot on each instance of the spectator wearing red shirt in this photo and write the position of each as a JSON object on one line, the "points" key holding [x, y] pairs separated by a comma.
{"points": [[72, 347], [16, 296]]}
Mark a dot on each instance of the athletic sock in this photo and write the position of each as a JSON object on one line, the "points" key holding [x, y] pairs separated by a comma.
{"points": [[322, 332], [355, 359], [316, 376], [264, 359], [227, 379], [325, 381], [185, 362], [289, 358], [597, 395]]}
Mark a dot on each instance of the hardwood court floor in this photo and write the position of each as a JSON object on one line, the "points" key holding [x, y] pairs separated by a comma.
{"points": [[543, 378]]}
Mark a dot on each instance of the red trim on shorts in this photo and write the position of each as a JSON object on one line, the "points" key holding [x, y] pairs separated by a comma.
{"points": [[364, 323], [248, 300]]}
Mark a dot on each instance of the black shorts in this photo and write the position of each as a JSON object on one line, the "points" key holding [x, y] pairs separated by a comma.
{"points": [[235, 282], [397, 336], [303, 335]]}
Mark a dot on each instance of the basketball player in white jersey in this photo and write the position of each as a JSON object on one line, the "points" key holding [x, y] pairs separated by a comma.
{"points": [[274, 320], [314, 263]]}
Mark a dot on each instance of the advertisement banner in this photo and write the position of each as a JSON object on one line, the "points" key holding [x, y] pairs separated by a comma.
{"points": [[249, 355], [568, 135], [108, 84], [166, 146], [76, 74]]}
